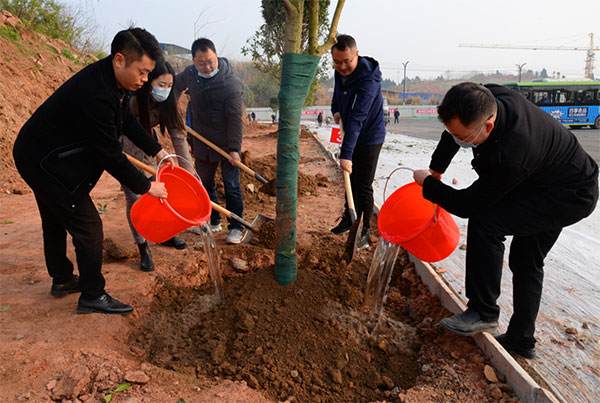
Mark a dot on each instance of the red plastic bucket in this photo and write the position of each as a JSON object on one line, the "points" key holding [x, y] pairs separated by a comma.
{"points": [[422, 228], [188, 204]]}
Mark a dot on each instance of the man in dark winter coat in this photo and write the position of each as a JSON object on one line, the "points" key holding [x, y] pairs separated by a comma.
{"points": [[358, 104], [216, 113], [62, 150], [534, 180]]}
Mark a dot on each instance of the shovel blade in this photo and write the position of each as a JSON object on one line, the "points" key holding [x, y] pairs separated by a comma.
{"points": [[268, 188], [353, 240], [257, 223]]}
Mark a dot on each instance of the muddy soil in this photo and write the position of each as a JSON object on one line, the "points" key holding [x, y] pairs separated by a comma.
{"points": [[264, 342]]}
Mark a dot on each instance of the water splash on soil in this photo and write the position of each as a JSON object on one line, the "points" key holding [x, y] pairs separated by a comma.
{"points": [[380, 273], [212, 259]]}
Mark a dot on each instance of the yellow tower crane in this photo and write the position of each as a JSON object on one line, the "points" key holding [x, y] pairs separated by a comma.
{"points": [[589, 60]]}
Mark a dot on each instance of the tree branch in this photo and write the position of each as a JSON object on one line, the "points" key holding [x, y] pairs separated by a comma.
{"points": [[289, 7], [321, 50]]}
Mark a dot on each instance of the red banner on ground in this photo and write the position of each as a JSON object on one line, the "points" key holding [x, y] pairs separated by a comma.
{"points": [[311, 112], [426, 111], [336, 136]]}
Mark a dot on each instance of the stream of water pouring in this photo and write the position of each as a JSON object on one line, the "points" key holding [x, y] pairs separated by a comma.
{"points": [[212, 259], [380, 274]]}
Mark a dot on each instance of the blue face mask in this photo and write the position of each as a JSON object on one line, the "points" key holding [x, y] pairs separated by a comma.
{"points": [[211, 75], [160, 94]]}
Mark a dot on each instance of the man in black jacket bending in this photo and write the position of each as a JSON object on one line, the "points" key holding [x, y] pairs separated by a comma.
{"points": [[534, 179], [216, 113], [64, 147]]}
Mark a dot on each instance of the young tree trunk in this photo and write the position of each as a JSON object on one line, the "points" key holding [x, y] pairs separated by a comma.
{"points": [[297, 73]]}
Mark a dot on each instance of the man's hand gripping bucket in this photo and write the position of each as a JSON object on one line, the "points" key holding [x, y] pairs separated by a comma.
{"points": [[188, 204], [422, 228]]}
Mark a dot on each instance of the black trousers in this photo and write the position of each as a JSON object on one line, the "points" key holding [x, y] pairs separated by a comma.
{"points": [[534, 233], [85, 227], [364, 166]]}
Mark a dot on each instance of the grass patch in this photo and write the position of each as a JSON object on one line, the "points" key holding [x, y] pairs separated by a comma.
{"points": [[9, 33], [66, 53]]}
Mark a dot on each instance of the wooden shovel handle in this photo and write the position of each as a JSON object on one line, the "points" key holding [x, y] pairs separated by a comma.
{"points": [[140, 164], [214, 205], [224, 154], [347, 186]]}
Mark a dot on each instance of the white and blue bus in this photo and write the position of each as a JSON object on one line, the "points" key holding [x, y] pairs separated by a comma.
{"points": [[575, 104]]}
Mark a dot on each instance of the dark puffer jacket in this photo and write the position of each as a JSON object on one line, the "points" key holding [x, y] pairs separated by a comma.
{"points": [[358, 100], [215, 109]]}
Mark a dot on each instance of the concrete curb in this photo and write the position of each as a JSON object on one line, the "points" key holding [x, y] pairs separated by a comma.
{"points": [[521, 382], [523, 385]]}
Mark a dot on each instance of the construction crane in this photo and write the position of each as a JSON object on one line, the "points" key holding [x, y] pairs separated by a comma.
{"points": [[589, 60]]}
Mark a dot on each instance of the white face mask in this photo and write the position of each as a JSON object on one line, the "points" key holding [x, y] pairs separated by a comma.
{"points": [[464, 144], [160, 94], [477, 132]]}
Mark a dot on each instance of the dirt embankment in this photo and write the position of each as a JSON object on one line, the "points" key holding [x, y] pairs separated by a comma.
{"points": [[32, 67]]}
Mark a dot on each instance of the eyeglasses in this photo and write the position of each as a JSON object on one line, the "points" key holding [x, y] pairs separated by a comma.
{"points": [[347, 62], [474, 132], [210, 63]]}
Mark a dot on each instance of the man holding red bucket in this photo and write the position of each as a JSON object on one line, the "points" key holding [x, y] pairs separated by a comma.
{"points": [[64, 148], [534, 179]]}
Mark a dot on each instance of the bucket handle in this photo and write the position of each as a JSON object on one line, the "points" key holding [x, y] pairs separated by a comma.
{"points": [[182, 158], [412, 170]]}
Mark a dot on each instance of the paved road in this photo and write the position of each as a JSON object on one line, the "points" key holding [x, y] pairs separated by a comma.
{"points": [[432, 128]]}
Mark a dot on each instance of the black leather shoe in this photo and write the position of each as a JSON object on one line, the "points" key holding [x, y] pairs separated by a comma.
{"points": [[103, 304], [175, 243], [146, 263], [513, 347], [60, 290], [468, 323], [344, 224]]}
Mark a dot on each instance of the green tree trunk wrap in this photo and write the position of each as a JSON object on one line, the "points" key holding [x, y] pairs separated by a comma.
{"points": [[297, 74]]}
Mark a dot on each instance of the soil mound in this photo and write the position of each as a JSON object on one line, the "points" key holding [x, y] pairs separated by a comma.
{"points": [[305, 340]]}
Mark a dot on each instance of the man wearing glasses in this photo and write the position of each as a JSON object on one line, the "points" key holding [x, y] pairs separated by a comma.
{"points": [[534, 179], [357, 103], [215, 111]]}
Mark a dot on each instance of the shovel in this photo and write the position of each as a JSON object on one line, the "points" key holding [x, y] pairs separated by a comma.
{"points": [[268, 186], [253, 227], [356, 228]]}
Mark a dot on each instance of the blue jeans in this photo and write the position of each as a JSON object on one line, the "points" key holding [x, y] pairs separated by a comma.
{"points": [[233, 192]]}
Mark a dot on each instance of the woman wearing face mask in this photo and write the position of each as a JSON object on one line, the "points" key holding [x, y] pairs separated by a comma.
{"points": [[155, 106]]}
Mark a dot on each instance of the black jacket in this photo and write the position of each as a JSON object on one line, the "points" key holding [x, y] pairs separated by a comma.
{"points": [[527, 152], [215, 109], [74, 136]]}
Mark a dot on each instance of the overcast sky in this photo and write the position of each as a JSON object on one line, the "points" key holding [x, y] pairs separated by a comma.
{"points": [[427, 34]]}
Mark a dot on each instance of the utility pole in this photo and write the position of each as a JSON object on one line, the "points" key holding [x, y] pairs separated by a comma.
{"points": [[520, 67], [404, 90]]}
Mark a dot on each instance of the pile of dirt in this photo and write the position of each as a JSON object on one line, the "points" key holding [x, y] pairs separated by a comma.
{"points": [[305, 340], [34, 65]]}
